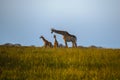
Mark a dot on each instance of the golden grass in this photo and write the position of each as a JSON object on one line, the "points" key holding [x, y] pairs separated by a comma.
{"points": [[34, 63]]}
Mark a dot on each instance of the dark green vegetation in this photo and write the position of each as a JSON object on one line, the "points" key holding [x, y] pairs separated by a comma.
{"points": [[33, 63]]}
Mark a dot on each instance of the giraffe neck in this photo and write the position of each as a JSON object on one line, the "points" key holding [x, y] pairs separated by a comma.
{"points": [[55, 40], [44, 39], [60, 32]]}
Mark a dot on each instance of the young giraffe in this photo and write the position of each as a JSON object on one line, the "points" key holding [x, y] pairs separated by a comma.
{"points": [[66, 36], [46, 42], [55, 42]]}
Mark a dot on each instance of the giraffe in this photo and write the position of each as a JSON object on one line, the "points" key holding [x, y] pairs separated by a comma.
{"points": [[67, 37], [55, 42], [46, 42]]}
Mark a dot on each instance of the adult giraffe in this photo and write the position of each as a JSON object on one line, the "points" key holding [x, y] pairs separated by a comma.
{"points": [[66, 36]]}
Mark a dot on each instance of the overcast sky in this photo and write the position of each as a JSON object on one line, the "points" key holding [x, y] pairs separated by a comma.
{"points": [[94, 22]]}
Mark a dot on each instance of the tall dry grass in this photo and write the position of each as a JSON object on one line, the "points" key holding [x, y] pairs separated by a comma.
{"points": [[34, 63]]}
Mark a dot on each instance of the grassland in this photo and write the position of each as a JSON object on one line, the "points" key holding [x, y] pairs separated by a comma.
{"points": [[34, 63]]}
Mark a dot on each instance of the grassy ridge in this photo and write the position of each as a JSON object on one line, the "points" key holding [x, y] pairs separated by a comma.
{"points": [[31, 63]]}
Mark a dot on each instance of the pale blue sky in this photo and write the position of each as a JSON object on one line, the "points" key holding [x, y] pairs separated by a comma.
{"points": [[94, 22]]}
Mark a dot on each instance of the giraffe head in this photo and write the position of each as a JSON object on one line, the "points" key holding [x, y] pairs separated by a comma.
{"points": [[54, 36], [41, 37], [52, 30]]}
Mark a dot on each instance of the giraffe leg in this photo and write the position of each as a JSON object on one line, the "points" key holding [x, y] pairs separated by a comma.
{"points": [[75, 44], [50, 45], [72, 44], [66, 44]]}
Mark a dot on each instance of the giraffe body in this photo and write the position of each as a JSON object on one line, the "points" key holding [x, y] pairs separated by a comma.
{"points": [[46, 42], [55, 42], [66, 36]]}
